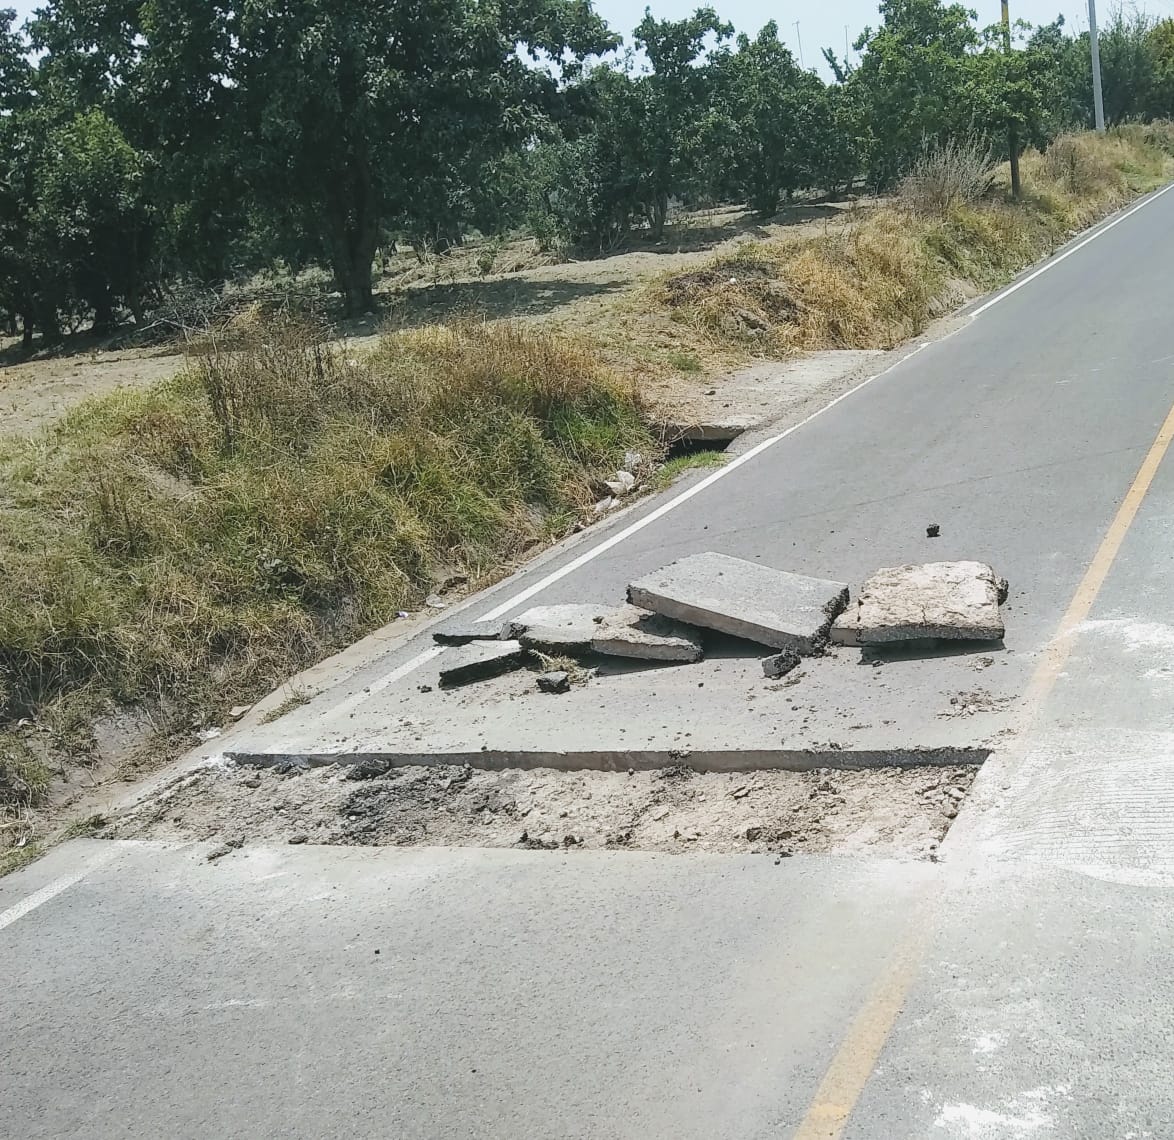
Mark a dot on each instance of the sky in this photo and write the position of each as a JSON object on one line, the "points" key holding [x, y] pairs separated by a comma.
{"points": [[821, 22]]}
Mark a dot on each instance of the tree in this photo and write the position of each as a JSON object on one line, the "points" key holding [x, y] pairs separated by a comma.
{"points": [[770, 125], [369, 115], [673, 99], [912, 82], [93, 219]]}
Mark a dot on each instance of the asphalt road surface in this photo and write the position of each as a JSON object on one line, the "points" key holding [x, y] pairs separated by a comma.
{"points": [[1021, 987]]}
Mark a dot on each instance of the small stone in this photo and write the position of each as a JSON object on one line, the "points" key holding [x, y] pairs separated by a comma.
{"points": [[299, 838], [555, 682], [435, 602], [237, 711], [780, 664], [933, 531], [370, 769], [604, 505], [252, 782], [425, 688], [632, 460], [753, 834]]}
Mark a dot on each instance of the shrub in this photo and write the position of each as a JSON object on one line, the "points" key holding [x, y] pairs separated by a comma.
{"points": [[958, 172]]}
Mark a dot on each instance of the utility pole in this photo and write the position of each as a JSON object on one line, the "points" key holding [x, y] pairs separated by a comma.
{"points": [[845, 47], [1098, 104], [799, 38], [1012, 133]]}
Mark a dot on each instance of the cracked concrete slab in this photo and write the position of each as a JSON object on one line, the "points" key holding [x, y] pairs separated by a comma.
{"points": [[560, 629], [478, 661], [953, 601], [646, 636], [743, 599]]}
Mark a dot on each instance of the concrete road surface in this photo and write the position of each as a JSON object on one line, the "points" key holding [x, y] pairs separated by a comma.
{"points": [[1021, 987]]}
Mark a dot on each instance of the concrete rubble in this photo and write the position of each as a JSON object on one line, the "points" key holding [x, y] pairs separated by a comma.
{"points": [[743, 599], [461, 633], [952, 601], [669, 610], [558, 681], [480, 660], [559, 629], [633, 632], [780, 664]]}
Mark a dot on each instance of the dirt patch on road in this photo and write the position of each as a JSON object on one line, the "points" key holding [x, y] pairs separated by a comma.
{"points": [[893, 812]]}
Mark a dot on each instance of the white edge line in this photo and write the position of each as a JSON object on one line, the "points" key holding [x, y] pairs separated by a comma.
{"points": [[53, 889], [1070, 251], [377, 686]]}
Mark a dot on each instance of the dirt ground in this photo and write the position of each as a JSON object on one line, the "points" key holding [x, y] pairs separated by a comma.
{"points": [[600, 297], [894, 812]]}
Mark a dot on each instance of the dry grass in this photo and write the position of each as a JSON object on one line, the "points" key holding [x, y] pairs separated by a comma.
{"points": [[885, 276], [189, 547], [958, 173]]}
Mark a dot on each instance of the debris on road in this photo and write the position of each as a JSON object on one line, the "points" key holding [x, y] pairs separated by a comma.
{"points": [[479, 660], [934, 601], [461, 633], [743, 599], [934, 530], [633, 632], [780, 664], [556, 682], [559, 629]]}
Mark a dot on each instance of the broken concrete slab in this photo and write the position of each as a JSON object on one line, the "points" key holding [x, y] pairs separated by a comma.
{"points": [[559, 629], [461, 633], [846, 628], [480, 660], [633, 632], [780, 664], [743, 599], [932, 601]]}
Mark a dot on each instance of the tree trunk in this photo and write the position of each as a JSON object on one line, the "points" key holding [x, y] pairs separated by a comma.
{"points": [[26, 340], [356, 239], [658, 215]]}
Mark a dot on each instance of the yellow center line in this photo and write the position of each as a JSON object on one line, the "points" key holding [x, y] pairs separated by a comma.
{"points": [[856, 1057]]}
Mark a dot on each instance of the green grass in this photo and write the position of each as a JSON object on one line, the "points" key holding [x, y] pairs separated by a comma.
{"points": [[684, 361], [668, 473], [189, 547]]}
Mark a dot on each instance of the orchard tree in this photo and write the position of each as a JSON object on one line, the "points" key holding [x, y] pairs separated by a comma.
{"points": [[673, 98], [770, 125], [361, 116], [912, 81]]}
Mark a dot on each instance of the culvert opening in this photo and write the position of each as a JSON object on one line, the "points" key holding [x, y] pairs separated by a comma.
{"points": [[683, 446]]}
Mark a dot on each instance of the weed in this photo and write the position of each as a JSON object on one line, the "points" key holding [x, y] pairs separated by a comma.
{"points": [[668, 473], [683, 361], [880, 279], [958, 172], [293, 701]]}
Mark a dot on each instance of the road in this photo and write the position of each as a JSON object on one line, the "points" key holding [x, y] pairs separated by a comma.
{"points": [[1020, 987]]}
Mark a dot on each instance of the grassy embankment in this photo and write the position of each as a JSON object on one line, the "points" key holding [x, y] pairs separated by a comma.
{"points": [[184, 549], [874, 283]]}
